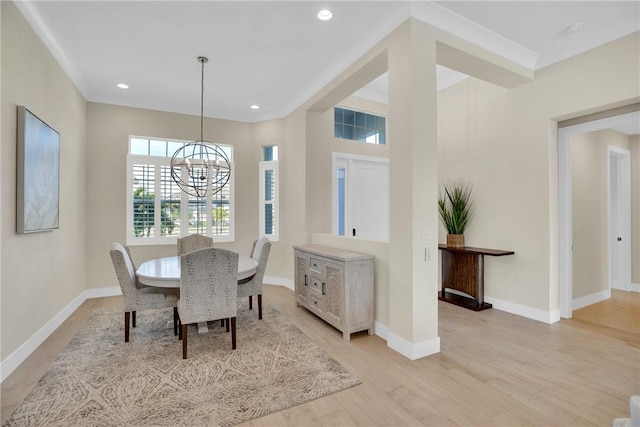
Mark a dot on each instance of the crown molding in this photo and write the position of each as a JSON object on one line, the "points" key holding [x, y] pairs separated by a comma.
{"points": [[461, 27], [29, 10]]}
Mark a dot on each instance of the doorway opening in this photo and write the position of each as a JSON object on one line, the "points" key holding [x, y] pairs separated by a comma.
{"points": [[620, 123]]}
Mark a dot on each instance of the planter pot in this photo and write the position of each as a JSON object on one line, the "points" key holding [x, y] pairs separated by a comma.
{"points": [[455, 240]]}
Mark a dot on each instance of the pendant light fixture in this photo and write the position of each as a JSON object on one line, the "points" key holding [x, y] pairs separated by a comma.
{"points": [[201, 168]]}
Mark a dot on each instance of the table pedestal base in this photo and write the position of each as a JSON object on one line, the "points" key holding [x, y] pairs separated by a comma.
{"points": [[463, 301], [202, 326]]}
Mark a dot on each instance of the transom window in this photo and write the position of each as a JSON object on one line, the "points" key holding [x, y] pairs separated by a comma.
{"points": [[151, 190], [359, 126]]}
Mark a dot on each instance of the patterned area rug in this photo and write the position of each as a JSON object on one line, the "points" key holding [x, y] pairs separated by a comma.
{"points": [[99, 380]]}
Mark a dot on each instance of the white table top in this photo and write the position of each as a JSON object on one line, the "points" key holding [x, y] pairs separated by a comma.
{"points": [[165, 272]]}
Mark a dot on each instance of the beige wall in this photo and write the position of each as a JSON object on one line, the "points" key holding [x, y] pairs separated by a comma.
{"points": [[502, 140], [589, 209], [634, 144], [41, 272], [505, 142], [108, 133]]}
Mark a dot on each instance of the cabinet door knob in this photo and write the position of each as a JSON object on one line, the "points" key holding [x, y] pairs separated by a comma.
{"points": [[324, 288], [305, 280]]}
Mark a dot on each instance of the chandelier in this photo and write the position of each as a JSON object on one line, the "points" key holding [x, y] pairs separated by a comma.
{"points": [[200, 168]]}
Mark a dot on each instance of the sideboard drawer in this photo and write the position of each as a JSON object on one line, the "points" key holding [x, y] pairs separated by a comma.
{"points": [[317, 285], [315, 301], [315, 265]]}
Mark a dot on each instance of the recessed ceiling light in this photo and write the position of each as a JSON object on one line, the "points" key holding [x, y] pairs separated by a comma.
{"points": [[325, 15], [573, 29], [123, 86], [255, 107]]}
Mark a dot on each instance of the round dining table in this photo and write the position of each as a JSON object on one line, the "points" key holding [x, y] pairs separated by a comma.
{"points": [[165, 273]]}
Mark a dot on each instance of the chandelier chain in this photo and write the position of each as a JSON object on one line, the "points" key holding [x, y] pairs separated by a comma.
{"points": [[202, 61]]}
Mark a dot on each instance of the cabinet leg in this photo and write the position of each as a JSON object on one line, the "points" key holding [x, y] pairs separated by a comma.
{"points": [[346, 336]]}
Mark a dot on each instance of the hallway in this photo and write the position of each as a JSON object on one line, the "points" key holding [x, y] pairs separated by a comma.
{"points": [[621, 311]]}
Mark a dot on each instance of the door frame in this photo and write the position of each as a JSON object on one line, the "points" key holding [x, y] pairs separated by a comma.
{"points": [[565, 225]]}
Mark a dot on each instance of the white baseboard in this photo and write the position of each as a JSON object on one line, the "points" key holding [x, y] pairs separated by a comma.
{"points": [[14, 360], [280, 281], [525, 311], [410, 350], [8, 365], [586, 300], [381, 329], [635, 287], [103, 292]]}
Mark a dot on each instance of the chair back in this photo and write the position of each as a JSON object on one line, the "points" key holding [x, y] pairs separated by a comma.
{"points": [[193, 242], [124, 270], [260, 254], [208, 285]]}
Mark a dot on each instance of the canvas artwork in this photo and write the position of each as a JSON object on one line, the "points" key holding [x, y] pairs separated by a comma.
{"points": [[38, 174]]}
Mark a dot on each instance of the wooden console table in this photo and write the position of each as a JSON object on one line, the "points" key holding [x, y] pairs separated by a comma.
{"points": [[463, 270]]}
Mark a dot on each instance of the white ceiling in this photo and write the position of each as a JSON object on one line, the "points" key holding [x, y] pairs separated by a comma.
{"points": [[277, 54]]}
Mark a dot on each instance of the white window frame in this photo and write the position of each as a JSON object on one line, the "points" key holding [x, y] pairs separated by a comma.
{"points": [[262, 168], [157, 162]]}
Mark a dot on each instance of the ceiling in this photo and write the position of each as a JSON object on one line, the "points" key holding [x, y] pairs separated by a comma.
{"points": [[276, 54]]}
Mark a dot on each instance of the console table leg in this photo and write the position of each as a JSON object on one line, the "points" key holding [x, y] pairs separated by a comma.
{"points": [[480, 280]]}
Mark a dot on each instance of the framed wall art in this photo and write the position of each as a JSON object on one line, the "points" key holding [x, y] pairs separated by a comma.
{"points": [[38, 174]]}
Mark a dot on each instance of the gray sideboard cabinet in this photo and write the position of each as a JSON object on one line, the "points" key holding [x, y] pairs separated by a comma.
{"points": [[337, 286]]}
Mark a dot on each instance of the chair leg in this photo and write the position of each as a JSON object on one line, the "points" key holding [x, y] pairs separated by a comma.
{"points": [[259, 306], [233, 332], [179, 328], [133, 319], [250, 302], [184, 341], [221, 322], [126, 326], [226, 322], [175, 320]]}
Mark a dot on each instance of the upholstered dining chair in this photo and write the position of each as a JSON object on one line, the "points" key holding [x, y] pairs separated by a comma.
{"points": [[208, 288], [253, 286], [138, 298], [193, 242]]}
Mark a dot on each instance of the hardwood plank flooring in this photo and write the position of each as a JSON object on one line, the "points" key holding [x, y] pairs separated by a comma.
{"points": [[494, 369], [621, 311]]}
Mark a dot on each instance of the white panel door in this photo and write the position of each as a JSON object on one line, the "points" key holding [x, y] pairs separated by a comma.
{"points": [[369, 200], [619, 218], [360, 197]]}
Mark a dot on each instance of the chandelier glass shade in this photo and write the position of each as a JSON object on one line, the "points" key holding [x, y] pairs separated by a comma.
{"points": [[201, 168]]}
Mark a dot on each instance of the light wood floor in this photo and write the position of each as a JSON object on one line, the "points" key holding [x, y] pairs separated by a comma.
{"points": [[621, 311], [494, 369]]}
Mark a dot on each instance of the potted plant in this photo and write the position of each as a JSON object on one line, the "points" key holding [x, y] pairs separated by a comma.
{"points": [[456, 209]]}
